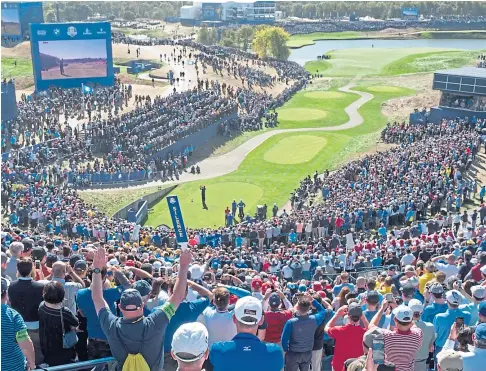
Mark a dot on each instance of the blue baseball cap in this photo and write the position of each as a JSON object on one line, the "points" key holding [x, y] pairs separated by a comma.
{"points": [[302, 288], [482, 308], [480, 332]]}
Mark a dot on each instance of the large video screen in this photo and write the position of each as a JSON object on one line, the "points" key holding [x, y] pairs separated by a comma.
{"points": [[71, 59], [11, 21]]}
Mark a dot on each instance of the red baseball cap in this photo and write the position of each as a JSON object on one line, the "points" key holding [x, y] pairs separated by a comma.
{"points": [[130, 263], [322, 294], [256, 283], [316, 286]]}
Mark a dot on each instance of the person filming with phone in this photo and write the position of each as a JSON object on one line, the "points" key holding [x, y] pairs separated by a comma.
{"points": [[401, 345]]}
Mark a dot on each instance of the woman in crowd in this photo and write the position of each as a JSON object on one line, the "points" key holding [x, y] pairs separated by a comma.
{"points": [[55, 320]]}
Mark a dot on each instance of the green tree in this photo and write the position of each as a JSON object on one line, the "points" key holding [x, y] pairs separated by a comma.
{"points": [[246, 34], [129, 15], [271, 41]]}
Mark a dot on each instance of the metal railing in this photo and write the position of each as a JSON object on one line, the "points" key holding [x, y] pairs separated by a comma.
{"points": [[97, 364]]}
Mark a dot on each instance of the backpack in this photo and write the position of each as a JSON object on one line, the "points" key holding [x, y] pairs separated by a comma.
{"points": [[134, 361]]}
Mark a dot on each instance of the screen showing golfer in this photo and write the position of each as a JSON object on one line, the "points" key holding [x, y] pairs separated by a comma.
{"points": [[71, 59], [10, 21]]}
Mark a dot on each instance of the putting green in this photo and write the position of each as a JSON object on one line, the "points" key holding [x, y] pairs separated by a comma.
{"points": [[384, 89], [218, 196], [295, 150], [301, 114], [324, 95]]}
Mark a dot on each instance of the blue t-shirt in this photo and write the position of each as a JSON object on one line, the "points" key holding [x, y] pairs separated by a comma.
{"points": [[86, 305], [443, 322], [246, 352], [185, 313], [337, 289], [430, 311]]}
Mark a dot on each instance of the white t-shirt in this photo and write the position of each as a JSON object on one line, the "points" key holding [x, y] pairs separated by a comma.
{"points": [[407, 259], [449, 269], [287, 272]]}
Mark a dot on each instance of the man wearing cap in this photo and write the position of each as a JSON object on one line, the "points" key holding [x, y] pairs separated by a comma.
{"points": [[348, 338], [450, 360], [276, 317], [190, 346], [135, 333], [435, 292], [478, 294], [428, 335], [403, 343], [443, 321], [17, 348], [246, 352]]}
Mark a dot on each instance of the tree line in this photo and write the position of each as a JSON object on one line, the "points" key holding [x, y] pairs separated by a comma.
{"points": [[80, 10], [379, 9]]}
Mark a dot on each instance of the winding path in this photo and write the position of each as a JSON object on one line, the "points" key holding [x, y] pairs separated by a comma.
{"points": [[216, 166]]}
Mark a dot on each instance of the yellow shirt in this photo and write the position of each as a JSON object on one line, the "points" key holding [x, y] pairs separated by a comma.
{"points": [[385, 289], [426, 277]]}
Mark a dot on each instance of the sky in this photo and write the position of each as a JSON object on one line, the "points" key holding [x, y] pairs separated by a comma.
{"points": [[10, 15], [74, 49]]}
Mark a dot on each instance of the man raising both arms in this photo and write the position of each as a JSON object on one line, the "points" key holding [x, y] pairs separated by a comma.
{"points": [[135, 333]]}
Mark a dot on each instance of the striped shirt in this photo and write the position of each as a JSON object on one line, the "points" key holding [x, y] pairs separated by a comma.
{"points": [[12, 323], [402, 347]]}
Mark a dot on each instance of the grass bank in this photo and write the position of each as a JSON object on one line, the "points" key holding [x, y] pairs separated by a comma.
{"points": [[270, 172]]}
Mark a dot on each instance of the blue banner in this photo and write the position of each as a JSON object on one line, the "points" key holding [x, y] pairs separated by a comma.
{"points": [[177, 220]]}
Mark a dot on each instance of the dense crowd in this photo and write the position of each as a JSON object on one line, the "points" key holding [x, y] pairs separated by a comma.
{"points": [[379, 25], [473, 103], [389, 255]]}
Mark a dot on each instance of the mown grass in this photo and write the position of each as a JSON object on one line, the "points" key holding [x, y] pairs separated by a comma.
{"points": [[13, 68], [429, 62], [258, 181]]}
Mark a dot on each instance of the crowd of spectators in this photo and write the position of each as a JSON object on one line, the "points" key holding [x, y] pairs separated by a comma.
{"points": [[379, 25], [481, 61], [390, 255], [473, 103]]}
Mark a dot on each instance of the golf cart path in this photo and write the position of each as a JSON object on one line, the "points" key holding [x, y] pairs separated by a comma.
{"points": [[216, 166]]}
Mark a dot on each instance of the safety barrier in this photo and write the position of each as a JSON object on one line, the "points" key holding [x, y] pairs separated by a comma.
{"points": [[95, 364]]}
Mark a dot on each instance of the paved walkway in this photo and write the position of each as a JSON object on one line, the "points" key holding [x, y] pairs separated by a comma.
{"points": [[215, 166]]}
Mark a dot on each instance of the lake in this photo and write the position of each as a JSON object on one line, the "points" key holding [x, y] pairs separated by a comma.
{"points": [[310, 52]]}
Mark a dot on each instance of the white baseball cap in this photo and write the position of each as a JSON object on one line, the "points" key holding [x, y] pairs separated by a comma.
{"points": [[403, 313], [113, 262], [453, 297], [248, 310], [478, 292], [416, 306], [190, 342], [196, 272]]}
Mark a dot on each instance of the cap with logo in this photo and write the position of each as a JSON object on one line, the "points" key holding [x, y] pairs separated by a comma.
{"points": [[453, 297], [403, 313], [436, 288], [450, 360], [248, 310], [478, 292], [80, 266], [190, 342], [256, 283], [131, 300], [274, 300], [415, 306]]}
